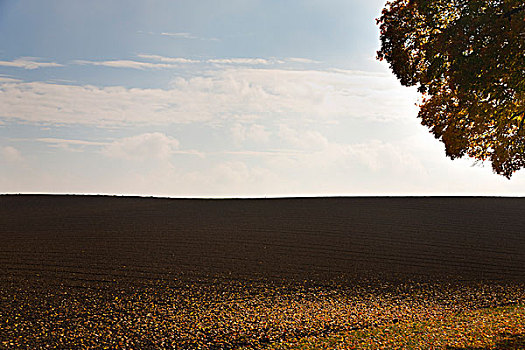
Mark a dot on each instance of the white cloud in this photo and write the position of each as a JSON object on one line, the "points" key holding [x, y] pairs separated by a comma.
{"points": [[174, 62], [9, 80], [184, 35], [233, 179], [395, 158], [56, 141], [308, 140], [143, 147], [60, 81], [68, 144], [29, 63], [167, 59], [146, 166], [11, 154], [301, 60], [332, 168], [120, 147], [215, 96], [180, 35], [322, 158], [253, 133], [244, 61], [126, 64], [38, 102], [264, 153]]}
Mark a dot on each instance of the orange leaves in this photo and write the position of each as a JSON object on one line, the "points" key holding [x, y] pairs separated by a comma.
{"points": [[467, 50], [486, 328], [260, 315]]}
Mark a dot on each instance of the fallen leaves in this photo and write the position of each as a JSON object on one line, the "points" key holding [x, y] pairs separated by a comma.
{"points": [[253, 315]]}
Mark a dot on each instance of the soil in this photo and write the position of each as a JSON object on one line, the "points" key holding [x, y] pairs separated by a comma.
{"points": [[129, 272]]}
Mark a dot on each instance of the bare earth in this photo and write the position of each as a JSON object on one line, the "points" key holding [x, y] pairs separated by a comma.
{"points": [[141, 273]]}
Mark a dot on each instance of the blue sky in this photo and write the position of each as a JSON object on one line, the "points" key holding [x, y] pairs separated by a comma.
{"points": [[213, 98]]}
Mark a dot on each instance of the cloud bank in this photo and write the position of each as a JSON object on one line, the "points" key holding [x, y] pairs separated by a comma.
{"points": [[142, 147], [29, 63], [214, 96]]}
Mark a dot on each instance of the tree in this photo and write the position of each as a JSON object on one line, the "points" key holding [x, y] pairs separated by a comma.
{"points": [[467, 58]]}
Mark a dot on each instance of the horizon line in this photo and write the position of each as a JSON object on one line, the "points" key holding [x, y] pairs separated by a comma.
{"points": [[305, 196]]}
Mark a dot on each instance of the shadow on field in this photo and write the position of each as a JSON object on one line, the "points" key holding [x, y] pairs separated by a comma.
{"points": [[506, 342]]}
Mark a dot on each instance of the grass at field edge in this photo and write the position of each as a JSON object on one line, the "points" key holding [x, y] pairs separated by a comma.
{"points": [[482, 329]]}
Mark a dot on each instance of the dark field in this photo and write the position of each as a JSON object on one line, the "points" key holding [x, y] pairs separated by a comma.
{"points": [[143, 273]]}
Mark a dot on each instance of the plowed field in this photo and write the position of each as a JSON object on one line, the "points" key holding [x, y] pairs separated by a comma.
{"points": [[126, 272]]}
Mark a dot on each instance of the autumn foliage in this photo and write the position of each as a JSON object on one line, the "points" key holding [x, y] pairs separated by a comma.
{"points": [[467, 58]]}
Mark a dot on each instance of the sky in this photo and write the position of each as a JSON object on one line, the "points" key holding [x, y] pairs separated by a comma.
{"points": [[209, 98]]}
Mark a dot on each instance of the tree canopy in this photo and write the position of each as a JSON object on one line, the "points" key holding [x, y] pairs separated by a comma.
{"points": [[467, 58]]}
